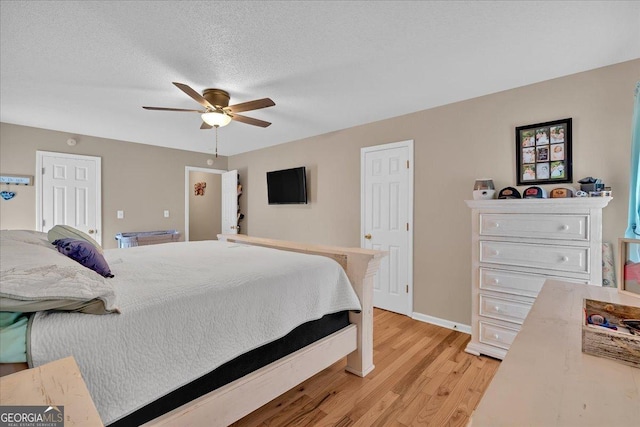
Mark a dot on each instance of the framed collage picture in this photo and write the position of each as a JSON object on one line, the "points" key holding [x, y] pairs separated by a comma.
{"points": [[543, 153]]}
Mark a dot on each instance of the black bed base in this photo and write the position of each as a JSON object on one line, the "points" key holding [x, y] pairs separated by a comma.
{"points": [[242, 365]]}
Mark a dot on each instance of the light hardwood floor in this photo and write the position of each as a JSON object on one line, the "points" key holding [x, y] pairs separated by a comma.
{"points": [[422, 377]]}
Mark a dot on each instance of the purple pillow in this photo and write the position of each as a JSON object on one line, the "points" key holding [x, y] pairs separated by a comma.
{"points": [[85, 253]]}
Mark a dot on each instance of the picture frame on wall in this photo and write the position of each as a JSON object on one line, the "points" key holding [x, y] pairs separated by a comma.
{"points": [[543, 153]]}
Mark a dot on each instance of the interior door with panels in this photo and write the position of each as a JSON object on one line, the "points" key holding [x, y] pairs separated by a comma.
{"points": [[386, 208], [68, 192]]}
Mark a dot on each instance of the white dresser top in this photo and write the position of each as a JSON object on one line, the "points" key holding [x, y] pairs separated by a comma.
{"points": [[571, 202], [546, 380]]}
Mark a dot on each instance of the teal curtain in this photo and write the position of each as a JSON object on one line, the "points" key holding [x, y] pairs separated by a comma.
{"points": [[633, 228]]}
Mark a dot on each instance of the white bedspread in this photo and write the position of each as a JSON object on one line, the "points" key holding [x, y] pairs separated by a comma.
{"points": [[186, 309]]}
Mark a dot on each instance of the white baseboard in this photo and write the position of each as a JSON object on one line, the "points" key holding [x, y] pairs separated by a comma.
{"points": [[442, 322]]}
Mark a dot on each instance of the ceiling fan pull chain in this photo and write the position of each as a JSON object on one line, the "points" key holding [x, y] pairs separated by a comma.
{"points": [[216, 140]]}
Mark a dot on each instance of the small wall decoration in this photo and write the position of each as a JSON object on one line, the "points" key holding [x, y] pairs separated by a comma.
{"points": [[16, 179], [7, 195], [199, 188], [543, 153]]}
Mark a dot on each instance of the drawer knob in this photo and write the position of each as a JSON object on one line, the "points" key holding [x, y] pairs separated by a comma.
{"points": [[564, 227], [495, 253], [497, 308], [496, 281], [496, 336], [564, 259], [496, 225]]}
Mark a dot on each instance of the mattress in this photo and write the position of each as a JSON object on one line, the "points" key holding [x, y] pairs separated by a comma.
{"points": [[242, 365], [186, 309]]}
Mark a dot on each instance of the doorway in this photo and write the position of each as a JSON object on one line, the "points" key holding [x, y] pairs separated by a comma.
{"points": [[207, 201], [68, 192], [387, 221]]}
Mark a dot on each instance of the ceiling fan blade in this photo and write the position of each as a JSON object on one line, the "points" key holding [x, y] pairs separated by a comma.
{"points": [[174, 109], [251, 105], [193, 94], [250, 120], [205, 125]]}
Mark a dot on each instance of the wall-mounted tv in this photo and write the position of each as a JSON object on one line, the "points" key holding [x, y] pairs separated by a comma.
{"points": [[287, 186]]}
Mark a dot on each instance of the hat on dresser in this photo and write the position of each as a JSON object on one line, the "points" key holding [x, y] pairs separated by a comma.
{"points": [[534, 193], [509, 193], [561, 193]]}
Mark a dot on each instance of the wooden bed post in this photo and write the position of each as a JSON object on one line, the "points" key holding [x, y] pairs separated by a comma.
{"points": [[361, 268]]}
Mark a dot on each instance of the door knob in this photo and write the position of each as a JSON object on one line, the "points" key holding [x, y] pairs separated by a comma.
{"points": [[92, 231], [233, 227], [367, 236]]}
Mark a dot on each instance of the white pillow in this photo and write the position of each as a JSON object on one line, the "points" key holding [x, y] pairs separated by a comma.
{"points": [[68, 232]]}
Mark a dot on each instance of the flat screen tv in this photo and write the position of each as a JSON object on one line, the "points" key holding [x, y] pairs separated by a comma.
{"points": [[287, 186]]}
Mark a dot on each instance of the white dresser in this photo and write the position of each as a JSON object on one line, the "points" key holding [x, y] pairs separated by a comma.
{"points": [[516, 245]]}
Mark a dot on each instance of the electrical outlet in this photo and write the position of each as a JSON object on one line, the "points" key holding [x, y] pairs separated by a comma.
{"points": [[120, 214], [166, 214]]}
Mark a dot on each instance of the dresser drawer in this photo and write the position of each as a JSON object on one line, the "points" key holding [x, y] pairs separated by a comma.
{"points": [[542, 226], [504, 309], [497, 335], [514, 282], [543, 257]]}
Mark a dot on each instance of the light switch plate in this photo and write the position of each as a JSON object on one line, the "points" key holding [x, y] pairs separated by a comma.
{"points": [[166, 214], [120, 214]]}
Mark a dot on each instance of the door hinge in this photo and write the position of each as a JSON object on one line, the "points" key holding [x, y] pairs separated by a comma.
{"points": [[407, 226], [407, 288], [43, 222], [407, 164], [42, 171]]}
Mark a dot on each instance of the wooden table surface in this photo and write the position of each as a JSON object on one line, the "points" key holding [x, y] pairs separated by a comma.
{"points": [[546, 380], [58, 383]]}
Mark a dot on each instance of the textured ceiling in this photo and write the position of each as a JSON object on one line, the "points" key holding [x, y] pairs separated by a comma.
{"points": [[87, 67]]}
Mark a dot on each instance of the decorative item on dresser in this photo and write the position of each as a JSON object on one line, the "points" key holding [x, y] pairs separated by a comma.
{"points": [[516, 246], [483, 189]]}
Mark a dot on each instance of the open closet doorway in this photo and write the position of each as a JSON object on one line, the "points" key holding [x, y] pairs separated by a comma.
{"points": [[203, 203]]}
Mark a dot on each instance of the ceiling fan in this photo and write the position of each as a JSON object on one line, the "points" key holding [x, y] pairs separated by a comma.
{"points": [[217, 111]]}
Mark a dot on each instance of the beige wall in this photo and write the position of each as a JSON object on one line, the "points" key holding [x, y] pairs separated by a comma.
{"points": [[454, 144], [205, 211], [142, 180]]}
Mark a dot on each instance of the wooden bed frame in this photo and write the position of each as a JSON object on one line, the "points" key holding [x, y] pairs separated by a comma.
{"points": [[233, 401]]}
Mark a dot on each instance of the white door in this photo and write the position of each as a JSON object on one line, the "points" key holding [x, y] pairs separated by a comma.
{"points": [[69, 192], [387, 216], [230, 202]]}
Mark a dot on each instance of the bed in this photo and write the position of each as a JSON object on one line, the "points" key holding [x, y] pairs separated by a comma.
{"points": [[182, 307]]}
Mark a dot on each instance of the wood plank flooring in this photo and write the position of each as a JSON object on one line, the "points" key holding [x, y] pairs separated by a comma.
{"points": [[422, 377]]}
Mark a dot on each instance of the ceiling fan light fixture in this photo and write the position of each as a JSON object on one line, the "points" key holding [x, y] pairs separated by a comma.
{"points": [[216, 118]]}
